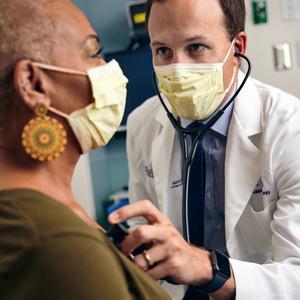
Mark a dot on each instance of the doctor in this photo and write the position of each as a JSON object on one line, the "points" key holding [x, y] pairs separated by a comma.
{"points": [[249, 221]]}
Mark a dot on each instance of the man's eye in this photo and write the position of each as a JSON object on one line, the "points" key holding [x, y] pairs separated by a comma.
{"points": [[196, 47], [163, 51], [98, 53]]}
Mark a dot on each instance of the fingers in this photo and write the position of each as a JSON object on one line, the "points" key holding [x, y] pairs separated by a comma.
{"points": [[174, 266], [160, 271], [152, 257], [145, 234], [143, 208]]}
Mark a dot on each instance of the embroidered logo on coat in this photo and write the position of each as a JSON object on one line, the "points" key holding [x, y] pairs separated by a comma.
{"points": [[176, 183], [149, 171], [260, 189]]}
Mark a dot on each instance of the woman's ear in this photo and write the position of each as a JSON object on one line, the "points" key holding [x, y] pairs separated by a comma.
{"points": [[30, 85]]}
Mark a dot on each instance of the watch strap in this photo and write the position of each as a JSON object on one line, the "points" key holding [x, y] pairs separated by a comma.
{"points": [[219, 276], [217, 282]]}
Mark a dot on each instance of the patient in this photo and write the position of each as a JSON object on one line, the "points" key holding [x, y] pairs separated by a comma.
{"points": [[58, 99]]}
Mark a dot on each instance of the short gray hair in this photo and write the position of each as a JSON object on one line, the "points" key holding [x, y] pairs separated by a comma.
{"points": [[26, 32]]}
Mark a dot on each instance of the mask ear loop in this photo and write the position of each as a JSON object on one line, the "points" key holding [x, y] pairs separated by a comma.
{"points": [[237, 54], [228, 53], [57, 112], [232, 80], [59, 69]]}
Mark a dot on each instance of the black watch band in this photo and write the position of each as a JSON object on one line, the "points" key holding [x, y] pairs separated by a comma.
{"points": [[221, 272]]}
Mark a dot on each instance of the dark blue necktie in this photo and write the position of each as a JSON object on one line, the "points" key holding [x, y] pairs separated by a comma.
{"points": [[196, 193], [196, 206]]}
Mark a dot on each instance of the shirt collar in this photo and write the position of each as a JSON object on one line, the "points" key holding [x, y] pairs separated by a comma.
{"points": [[222, 125]]}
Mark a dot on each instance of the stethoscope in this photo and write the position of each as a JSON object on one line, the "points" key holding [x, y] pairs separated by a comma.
{"points": [[188, 156]]}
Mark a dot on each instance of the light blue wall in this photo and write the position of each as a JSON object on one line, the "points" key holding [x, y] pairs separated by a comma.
{"points": [[109, 171], [109, 164], [109, 19]]}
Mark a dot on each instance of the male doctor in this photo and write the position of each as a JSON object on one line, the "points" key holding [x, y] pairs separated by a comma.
{"points": [[245, 238]]}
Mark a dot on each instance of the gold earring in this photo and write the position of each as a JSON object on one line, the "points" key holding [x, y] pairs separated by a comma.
{"points": [[43, 137]]}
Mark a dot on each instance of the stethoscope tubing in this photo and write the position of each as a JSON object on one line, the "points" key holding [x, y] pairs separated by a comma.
{"points": [[188, 156]]}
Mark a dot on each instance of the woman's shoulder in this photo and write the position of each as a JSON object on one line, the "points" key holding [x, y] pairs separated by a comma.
{"points": [[75, 258], [29, 218], [43, 216]]}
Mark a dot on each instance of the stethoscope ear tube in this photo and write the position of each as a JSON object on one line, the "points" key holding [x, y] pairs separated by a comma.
{"points": [[243, 82], [188, 157]]}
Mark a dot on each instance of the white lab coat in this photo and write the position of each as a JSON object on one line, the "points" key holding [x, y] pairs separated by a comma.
{"points": [[262, 185]]}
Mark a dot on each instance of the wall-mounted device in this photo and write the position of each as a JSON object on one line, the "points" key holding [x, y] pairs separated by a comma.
{"points": [[136, 13], [282, 56]]}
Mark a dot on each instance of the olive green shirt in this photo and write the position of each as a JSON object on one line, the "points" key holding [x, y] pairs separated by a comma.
{"points": [[48, 252]]}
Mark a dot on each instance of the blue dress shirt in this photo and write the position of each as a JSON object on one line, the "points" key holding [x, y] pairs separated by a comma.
{"points": [[214, 144]]}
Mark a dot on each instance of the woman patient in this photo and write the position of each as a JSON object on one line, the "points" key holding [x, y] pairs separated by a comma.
{"points": [[58, 99]]}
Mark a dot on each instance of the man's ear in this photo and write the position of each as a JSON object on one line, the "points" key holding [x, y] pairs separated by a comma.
{"points": [[240, 44], [30, 85]]}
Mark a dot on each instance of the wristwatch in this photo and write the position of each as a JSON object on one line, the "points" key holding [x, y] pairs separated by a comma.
{"points": [[221, 272]]}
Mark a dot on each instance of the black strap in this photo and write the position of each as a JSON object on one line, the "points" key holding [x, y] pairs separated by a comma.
{"points": [[196, 207], [196, 194]]}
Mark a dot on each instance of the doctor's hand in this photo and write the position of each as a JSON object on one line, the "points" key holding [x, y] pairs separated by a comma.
{"points": [[170, 255]]}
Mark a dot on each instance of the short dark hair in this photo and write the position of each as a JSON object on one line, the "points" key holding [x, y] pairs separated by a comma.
{"points": [[234, 12]]}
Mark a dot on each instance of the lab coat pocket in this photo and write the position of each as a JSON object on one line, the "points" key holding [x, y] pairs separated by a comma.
{"points": [[257, 232], [260, 204], [263, 209], [262, 220]]}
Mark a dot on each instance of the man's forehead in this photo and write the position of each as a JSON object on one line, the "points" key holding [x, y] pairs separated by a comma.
{"points": [[184, 20], [187, 12]]}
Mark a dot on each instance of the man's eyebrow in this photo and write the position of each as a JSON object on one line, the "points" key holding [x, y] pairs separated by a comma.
{"points": [[157, 43], [196, 37], [89, 37], [199, 38]]}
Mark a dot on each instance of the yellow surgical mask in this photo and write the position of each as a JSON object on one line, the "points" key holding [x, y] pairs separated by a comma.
{"points": [[95, 124], [194, 91]]}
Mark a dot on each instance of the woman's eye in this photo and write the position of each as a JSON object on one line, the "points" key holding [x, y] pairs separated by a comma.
{"points": [[196, 48], [163, 51], [98, 54]]}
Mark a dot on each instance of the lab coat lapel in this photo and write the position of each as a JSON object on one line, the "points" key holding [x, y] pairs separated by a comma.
{"points": [[243, 159], [161, 157]]}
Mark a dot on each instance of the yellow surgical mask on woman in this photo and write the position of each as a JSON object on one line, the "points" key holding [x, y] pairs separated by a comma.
{"points": [[95, 124], [194, 91]]}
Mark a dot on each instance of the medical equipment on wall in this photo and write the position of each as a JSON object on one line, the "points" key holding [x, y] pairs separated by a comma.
{"points": [[188, 156], [136, 14]]}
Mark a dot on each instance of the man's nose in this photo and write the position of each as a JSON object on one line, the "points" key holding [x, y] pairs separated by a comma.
{"points": [[180, 58]]}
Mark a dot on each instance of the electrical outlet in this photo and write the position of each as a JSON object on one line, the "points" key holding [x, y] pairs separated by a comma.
{"points": [[282, 56], [290, 10]]}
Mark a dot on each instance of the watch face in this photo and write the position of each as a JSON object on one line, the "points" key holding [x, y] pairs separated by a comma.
{"points": [[223, 264]]}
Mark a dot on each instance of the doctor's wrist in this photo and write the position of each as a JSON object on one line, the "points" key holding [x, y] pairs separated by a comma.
{"points": [[204, 268], [221, 273], [227, 291]]}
